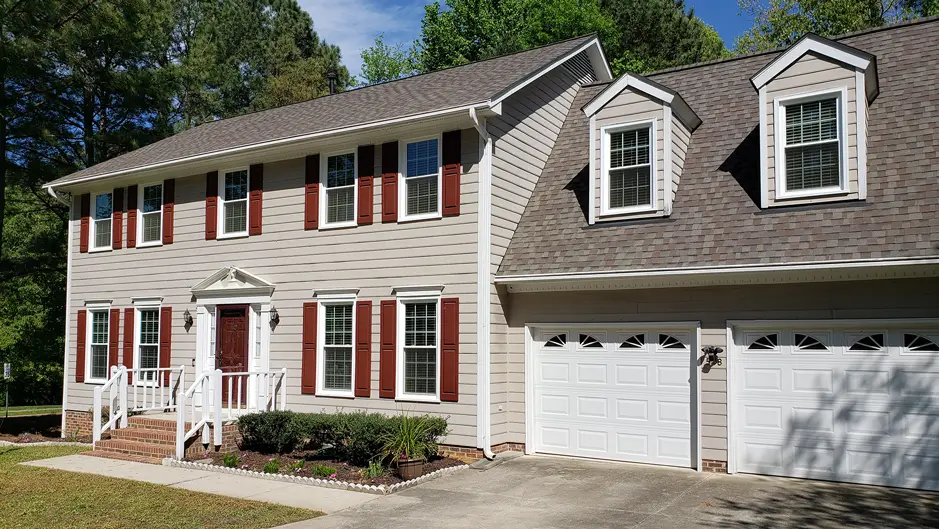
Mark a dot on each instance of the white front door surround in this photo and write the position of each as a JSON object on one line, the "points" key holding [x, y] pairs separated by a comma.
{"points": [[625, 392], [854, 401]]}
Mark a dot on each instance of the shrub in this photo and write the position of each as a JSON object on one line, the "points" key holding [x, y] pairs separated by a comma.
{"points": [[409, 438], [272, 466], [230, 460], [323, 471], [271, 432], [373, 470]]}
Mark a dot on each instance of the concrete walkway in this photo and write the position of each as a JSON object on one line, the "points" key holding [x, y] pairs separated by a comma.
{"points": [[290, 494]]}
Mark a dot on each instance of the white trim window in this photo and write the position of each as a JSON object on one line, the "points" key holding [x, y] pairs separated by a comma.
{"points": [[103, 207], [233, 202], [339, 197], [151, 215], [421, 182], [336, 355], [628, 177], [97, 369], [147, 342], [418, 358], [811, 152]]}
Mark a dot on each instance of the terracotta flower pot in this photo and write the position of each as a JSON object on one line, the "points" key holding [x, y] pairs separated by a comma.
{"points": [[410, 469]]}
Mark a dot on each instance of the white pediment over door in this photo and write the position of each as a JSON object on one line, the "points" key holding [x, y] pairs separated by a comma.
{"points": [[232, 281]]}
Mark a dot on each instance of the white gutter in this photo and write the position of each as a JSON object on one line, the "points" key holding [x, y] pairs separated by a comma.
{"points": [[722, 269], [483, 274], [275, 143]]}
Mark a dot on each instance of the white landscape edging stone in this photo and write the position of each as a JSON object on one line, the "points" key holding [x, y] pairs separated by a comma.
{"points": [[317, 482], [45, 443]]}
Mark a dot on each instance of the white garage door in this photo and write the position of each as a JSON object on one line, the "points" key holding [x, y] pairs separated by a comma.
{"points": [[615, 393], [856, 403]]}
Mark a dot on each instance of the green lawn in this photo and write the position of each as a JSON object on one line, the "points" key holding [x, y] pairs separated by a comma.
{"points": [[21, 411], [39, 497]]}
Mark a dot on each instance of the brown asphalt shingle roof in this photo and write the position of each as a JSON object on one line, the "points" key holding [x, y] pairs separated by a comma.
{"points": [[714, 220], [445, 89]]}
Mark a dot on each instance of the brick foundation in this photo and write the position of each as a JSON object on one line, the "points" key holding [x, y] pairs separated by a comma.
{"points": [[470, 455], [77, 424], [712, 465]]}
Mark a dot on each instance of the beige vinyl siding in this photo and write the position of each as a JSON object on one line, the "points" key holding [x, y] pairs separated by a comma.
{"points": [[681, 140], [523, 138], [812, 74], [713, 307], [630, 107], [373, 259]]}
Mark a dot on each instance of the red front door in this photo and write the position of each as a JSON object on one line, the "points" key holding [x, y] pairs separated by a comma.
{"points": [[231, 355]]}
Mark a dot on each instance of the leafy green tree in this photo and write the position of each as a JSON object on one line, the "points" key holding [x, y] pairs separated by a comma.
{"points": [[382, 62], [779, 23]]}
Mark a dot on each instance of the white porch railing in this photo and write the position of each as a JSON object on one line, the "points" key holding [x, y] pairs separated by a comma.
{"points": [[214, 392], [149, 390]]}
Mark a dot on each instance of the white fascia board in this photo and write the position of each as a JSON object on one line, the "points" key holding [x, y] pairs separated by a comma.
{"points": [[811, 44], [626, 81], [605, 73], [929, 266], [276, 143]]}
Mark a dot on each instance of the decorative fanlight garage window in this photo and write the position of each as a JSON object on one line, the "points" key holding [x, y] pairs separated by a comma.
{"points": [[589, 341], [807, 342], [919, 344], [768, 342], [871, 342], [636, 341], [558, 340], [667, 341]]}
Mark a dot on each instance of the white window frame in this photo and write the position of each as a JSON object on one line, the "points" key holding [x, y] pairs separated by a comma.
{"points": [[140, 215], [89, 341], [403, 299], [605, 133], [95, 220], [324, 202], [402, 179], [140, 305], [322, 301], [221, 204], [779, 148]]}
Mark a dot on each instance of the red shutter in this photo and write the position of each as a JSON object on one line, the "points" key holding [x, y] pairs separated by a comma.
{"points": [[211, 205], [451, 173], [85, 214], [128, 359], [363, 349], [450, 349], [255, 198], [169, 202], [166, 341], [387, 348], [389, 182], [311, 211], [366, 183], [308, 353], [117, 220], [132, 217], [80, 345], [114, 335]]}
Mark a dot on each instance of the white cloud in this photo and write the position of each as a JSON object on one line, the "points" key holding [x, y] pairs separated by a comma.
{"points": [[353, 24]]}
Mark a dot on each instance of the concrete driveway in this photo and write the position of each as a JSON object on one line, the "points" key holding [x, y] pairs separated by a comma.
{"points": [[547, 492]]}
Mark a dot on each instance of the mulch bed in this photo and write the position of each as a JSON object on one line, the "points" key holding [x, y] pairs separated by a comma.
{"points": [[32, 429], [344, 471]]}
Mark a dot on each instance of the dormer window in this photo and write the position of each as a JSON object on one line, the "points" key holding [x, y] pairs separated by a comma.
{"points": [[810, 159], [627, 183]]}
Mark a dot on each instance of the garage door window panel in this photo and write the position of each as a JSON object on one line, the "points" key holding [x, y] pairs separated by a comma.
{"points": [[811, 343], [669, 342], [762, 342], [917, 343], [558, 340], [635, 341], [865, 343], [587, 341]]}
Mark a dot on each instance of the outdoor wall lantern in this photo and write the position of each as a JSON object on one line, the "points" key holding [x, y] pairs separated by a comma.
{"points": [[711, 353], [187, 319], [275, 317]]}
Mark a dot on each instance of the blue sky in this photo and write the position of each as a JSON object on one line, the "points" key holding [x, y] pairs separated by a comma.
{"points": [[353, 24]]}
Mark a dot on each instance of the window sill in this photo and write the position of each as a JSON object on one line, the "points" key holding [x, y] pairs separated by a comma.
{"points": [[97, 250], [825, 192], [149, 244], [238, 235], [95, 381], [417, 218], [426, 399], [338, 225], [630, 214], [334, 394]]}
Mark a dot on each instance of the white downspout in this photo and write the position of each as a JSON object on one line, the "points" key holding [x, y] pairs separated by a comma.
{"points": [[483, 285]]}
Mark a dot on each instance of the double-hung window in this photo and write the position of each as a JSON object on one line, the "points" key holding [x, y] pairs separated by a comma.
{"points": [[148, 342], [812, 157], [234, 203], [421, 179], [336, 355], [339, 195], [151, 215], [103, 208], [98, 345], [419, 356], [629, 174]]}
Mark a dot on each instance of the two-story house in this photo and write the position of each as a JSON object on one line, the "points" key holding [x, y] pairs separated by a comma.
{"points": [[730, 266]]}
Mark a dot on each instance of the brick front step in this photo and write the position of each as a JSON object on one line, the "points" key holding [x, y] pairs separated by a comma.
{"points": [[137, 448], [146, 435], [124, 457], [149, 423]]}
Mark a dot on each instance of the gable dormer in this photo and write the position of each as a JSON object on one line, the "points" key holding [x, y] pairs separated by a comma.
{"points": [[639, 134], [814, 102]]}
